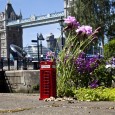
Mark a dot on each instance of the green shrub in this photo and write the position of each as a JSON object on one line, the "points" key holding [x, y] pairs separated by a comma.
{"points": [[103, 75], [97, 94], [35, 87]]}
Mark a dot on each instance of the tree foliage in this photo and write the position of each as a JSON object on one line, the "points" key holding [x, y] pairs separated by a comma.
{"points": [[109, 49], [111, 32], [96, 13]]}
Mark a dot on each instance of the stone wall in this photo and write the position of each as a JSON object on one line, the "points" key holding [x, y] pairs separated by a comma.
{"points": [[22, 80]]}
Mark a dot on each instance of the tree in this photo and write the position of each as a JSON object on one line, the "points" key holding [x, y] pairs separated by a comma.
{"points": [[109, 49], [111, 32], [95, 13]]}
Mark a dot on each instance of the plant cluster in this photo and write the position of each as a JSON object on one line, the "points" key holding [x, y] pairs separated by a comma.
{"points": [[98, 94], [85, 67], [74, 69], [70, 71]]}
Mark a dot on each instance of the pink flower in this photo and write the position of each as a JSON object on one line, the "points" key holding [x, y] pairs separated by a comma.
{"points": [[71, 21], [50, 54], [85, 29]]}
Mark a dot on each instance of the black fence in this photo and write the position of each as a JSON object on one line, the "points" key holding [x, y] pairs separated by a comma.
{"points": [[18, 64]]}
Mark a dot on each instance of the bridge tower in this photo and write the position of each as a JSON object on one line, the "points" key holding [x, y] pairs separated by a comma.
{"points": [[68, 5], [9, 35]]}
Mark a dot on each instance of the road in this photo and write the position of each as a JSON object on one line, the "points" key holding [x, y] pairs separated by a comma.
{"points": [[29, 104]]}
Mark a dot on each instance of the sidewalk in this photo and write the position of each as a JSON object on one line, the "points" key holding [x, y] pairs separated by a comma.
{"points": [[29, 104]]}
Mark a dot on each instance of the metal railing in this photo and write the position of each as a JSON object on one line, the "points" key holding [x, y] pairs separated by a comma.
{"points": [[10, 65], [37, 20]]}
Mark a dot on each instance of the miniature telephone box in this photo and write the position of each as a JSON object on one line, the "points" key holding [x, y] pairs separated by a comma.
{"points": [[47, 79]]}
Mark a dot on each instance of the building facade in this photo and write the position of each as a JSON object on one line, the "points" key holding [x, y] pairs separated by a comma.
{"points": [[9, 35], [51, 42], [32, 51], [54, 44]]}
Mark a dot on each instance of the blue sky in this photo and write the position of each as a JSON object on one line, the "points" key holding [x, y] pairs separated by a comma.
{"points": [[36, 7]]}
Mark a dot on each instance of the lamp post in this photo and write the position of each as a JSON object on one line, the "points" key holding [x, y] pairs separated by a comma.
{"points": [[61, 24], [41, 38], [37, 48]]}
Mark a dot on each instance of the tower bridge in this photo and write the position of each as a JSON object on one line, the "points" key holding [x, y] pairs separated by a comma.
{"points": [[37, 20], [11, 27]]}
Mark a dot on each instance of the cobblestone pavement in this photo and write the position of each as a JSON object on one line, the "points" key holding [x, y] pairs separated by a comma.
{"points": [[29, 104]]}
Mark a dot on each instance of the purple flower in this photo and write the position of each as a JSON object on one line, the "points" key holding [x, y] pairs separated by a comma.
{"points": [[50, 54], [94, 84], [70, 19], [85, 29], [86, 65], [113, 61], [72, 22]]}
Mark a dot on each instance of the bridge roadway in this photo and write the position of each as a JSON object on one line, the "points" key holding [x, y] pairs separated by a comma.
{"points": [[37, 20], [29, 104]]}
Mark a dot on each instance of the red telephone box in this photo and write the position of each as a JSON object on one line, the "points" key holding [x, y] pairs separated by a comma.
{"points": [[47, 79]]}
